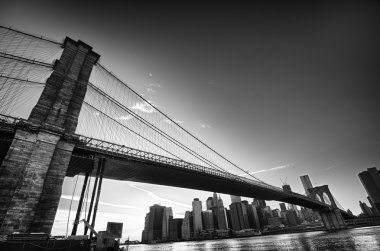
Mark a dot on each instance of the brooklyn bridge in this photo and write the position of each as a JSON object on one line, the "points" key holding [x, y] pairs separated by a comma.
{"points": [[62, 113]]}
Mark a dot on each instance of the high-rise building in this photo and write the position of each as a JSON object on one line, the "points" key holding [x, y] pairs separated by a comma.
{"points": [[153, 222], [187, 228], [253, 219], [197, 216], [374, 208], [175, 232], [219, 213], [365, 209], [239, 217], [287, 188], [371, 182], [291, 216], [209, 203], [306, 183], [168, 214], [208, 221], [144, 237], [259, 203], [283, 207], [235, 199]]}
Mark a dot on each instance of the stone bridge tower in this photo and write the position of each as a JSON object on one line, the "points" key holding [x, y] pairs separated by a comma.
{"points": [[32, 172], [332, 218]]}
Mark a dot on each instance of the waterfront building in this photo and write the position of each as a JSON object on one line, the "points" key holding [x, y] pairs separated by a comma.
{"points": [[375, 211], [197, 216], [259, 203], [219, 213], [209, 203], [291, 217], [239, 218], [283, 207], [275, 222], [371, 182], [253, 219], [276, 213], [306, 183], [288, 189], [235, 199], [365, 209], [228, 216], [175, 232], [144, 237], [187, 228], [168, 214], [208, 220], [154, 223], [263, 221]]}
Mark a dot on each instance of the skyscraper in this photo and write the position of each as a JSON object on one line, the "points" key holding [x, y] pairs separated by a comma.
{"points": [[197, 216], [187, 228], [365, 209], [154, 220], [168, 215], [209, 203], [239, 217], [371, 182], [235, 199], [282, 207], [306, 183], [252, 215], [208, 221]]}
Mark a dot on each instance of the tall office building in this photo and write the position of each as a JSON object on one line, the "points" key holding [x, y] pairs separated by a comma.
{"points": [[259, 203], [197, 216], [252, 215], [168, 215], [306, 183], [371, 182], [209, 203], [175, 229], [283, 207], [365, 209], [208, 221], [374, 208], [287, 188], [187, 228], [154, 223], [239, 217], [235, 199]]}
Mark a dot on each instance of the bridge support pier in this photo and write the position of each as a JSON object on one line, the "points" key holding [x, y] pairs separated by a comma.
{"points": [[32, 172], [332, 219]]}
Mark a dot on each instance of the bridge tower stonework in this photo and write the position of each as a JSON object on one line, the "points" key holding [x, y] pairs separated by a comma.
{"points": [[32, 172], [331, 217]]}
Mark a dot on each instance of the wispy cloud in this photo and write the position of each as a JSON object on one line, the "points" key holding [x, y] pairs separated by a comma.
{"points": [[156, 197], [144, 107], [336, 164], [154, 85], [126, 117], [150, 90], [269, 169], [205, 126], [125, 206], [176, 121]]}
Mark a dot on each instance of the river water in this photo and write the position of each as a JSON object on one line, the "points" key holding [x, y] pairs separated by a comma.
{"points": [[366, 238]]}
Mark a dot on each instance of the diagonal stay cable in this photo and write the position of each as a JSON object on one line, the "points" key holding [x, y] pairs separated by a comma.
{"points": [[167, 117], [159, 131], [131, 130]]}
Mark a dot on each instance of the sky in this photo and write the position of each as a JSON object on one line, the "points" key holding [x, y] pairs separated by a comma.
{"points": [[281, 89]]}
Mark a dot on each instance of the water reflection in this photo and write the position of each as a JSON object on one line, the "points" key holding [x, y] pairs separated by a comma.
{"points": [[352, 239]]}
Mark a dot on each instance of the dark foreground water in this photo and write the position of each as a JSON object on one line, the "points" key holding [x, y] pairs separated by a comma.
{"points": [[366, 238]]}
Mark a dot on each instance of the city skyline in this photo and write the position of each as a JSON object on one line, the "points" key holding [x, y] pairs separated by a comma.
{"points": [[279, 106]]}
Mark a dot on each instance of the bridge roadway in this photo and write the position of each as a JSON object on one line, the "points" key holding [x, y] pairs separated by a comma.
{"points": [[124, 163]]}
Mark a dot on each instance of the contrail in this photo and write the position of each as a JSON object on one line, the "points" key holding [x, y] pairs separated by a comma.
{"points": [[76, 198], [153, 195]]}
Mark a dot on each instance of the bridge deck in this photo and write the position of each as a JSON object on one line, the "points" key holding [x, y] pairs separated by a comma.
{"points": [[123, 163]]}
